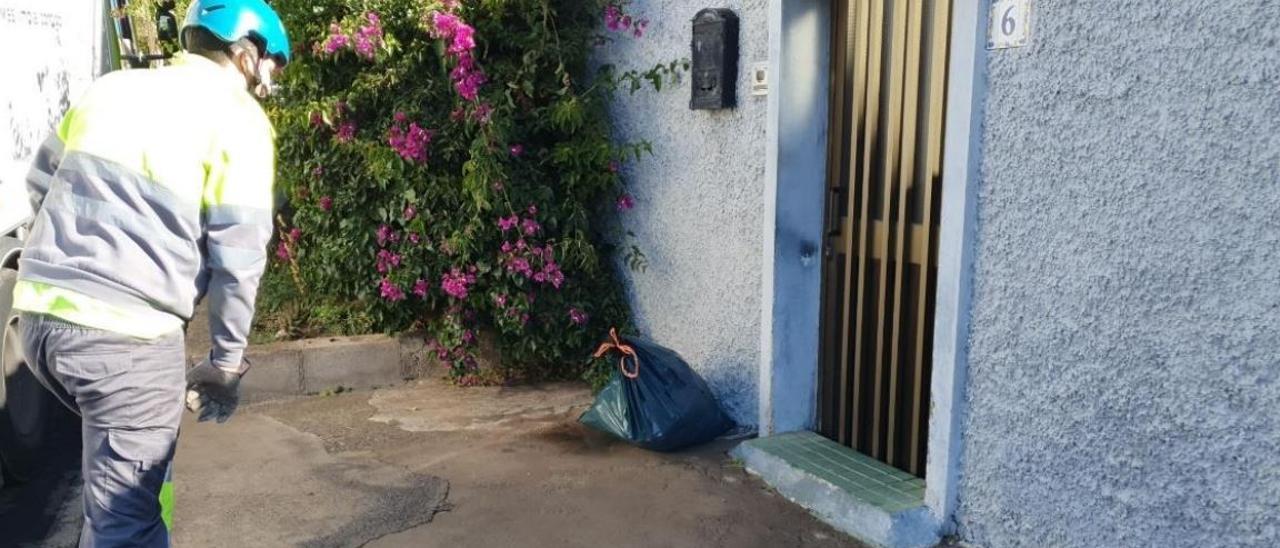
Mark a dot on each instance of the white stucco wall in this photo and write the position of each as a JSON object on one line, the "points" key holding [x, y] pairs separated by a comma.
{"points": [[699, 201]]}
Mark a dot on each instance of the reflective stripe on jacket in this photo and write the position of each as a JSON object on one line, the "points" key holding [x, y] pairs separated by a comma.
{"points": [[154, 190]]}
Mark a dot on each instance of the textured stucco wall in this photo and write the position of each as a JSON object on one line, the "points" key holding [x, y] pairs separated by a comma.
{"points": [[1124, 372], [699, 200]]}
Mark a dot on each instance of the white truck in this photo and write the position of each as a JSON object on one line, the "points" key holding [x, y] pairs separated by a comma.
{"points": [[52, 52]]}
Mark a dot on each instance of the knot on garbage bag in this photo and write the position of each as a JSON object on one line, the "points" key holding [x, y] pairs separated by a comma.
{"points": [[627, 351]]}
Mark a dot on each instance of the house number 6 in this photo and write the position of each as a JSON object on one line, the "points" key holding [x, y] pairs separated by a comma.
{"points": [[1008, 24]]}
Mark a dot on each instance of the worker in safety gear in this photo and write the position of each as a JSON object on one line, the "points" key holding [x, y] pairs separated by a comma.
{"points": [[155, 191]]}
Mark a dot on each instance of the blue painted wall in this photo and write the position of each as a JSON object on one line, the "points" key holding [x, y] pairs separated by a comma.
{"points": [[1124, 372]]}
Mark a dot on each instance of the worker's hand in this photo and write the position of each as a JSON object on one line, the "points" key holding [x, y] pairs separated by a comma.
{"points": [[212, 392]]}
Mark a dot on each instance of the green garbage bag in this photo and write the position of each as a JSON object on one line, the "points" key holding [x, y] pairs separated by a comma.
{"points": [[654, 400]]}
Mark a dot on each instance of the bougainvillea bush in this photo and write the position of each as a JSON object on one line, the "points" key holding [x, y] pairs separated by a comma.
{"points": [[448, 167]]}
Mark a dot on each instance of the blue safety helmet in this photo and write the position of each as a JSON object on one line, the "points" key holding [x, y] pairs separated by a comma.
{"points": [[231, 20]]}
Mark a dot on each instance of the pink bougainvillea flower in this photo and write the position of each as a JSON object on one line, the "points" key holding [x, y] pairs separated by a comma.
{"points": [[400, 117], [295, 234], [466, 76], [463, 39], [639, 28], [613, 17], [390, 291], [530, 227], [346, 131], [500, 299], [444, 23], [316, 120], [326, 203], [483, 113], [336, 40], [467, 79], [420, 288], [508, 223], [551, 274], [410, 144], [532, 209], [410, 212], [368, 38], [456, 283], [626, 21], [384, 235], [387, 261], [577, 316], [282, 250], [520, 265], [414, 238], [317, 171], [468, 337], [626, 202], [517, 150]]}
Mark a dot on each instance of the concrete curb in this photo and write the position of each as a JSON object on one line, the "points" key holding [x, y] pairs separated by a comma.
{"points": [[309, 366]]}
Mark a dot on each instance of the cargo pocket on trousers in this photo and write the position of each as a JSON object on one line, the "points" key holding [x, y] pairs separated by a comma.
{"points": [[147, 448], [137, 468]]}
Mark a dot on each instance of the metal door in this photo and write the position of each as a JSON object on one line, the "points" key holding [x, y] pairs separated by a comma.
{"points": [[889, 73]]}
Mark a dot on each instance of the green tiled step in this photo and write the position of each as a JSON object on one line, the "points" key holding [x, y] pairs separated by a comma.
{"points": [[862, 477]]}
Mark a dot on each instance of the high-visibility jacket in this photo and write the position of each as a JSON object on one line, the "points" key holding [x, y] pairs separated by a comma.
{"points": [[155, 189]]}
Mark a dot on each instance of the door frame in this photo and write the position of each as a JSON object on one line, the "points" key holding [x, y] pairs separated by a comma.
{"points": [[795, 192]]}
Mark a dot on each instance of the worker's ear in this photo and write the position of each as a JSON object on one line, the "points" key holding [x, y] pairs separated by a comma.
{"points": [[246, 62]]}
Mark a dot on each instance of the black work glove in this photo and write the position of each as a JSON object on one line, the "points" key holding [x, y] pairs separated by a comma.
{"points": [[213, 392]]}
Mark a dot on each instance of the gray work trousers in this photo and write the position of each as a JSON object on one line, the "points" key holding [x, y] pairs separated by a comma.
{"points": [[129, 393]]}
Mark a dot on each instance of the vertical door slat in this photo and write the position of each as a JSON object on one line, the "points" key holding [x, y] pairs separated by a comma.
{"points": [[839, 164], [872, 26], [910, 102], [888, 159]]}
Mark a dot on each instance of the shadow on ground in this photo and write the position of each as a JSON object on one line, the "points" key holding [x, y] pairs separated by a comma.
{"points": [[258, 482], [45, 510]]}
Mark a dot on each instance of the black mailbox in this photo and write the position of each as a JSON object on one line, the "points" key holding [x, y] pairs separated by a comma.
{"points": [[715, 59], [166, 23]]}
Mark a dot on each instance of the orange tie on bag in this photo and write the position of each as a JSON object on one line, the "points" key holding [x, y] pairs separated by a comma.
{"points": [[626, 350]]}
